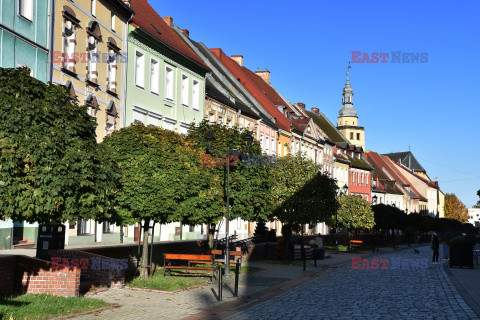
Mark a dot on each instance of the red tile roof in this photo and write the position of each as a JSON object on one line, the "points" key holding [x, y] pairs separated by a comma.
{"points": [[382, 163], [428, 182], [149, 20], [393, 167], [300, 123], [240, 73]]}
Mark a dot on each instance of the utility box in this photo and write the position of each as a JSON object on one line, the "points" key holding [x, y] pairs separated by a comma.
{"points": [[50, 237]]}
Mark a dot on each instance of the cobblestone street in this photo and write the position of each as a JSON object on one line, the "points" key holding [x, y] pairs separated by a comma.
{"points": [[425, 293]]}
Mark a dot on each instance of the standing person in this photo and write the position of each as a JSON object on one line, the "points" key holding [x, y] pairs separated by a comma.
{"points": [[434, 245]]}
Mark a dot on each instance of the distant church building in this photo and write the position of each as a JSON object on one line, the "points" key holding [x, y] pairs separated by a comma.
{"points": [[348, 120]]}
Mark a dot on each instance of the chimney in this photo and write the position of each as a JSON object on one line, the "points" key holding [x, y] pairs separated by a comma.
{"points": [[265, 75], [186, 32], [301, 105], [238, 59], [315, 110], [168, 20]]}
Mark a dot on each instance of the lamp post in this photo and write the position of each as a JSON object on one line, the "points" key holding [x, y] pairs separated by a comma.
{"points": [[341, 191], [210, 139]]}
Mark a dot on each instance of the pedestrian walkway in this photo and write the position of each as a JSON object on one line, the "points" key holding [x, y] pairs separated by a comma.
{"points": [[262, 285], [407, 291], [467, 281]]}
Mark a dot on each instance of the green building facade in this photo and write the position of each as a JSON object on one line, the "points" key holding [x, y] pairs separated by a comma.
{"points": [[164, 88], [25, 36]]}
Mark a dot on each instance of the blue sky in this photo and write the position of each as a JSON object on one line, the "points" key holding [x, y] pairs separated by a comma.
{"points": [[432, 107]]}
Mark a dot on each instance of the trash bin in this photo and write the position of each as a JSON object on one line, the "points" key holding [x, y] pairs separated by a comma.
{"points": [[446, 251], [50, 237]]}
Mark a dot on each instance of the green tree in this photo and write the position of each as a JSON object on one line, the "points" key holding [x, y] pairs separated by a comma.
{"points": [[301, 194], [249, 184], [455, 209], [50, 166], [354, 213], [478, 202], [160, 178]]}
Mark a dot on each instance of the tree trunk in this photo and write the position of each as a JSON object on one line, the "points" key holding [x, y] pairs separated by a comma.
{"points": [[144, 265], [211, 235]]}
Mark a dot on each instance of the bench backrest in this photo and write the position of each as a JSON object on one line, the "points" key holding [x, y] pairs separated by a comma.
{"points": [[232, 253], [199, 257]]}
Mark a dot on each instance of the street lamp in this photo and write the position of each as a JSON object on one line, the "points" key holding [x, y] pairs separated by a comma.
{"points": [[341, 191], [210, 139]]}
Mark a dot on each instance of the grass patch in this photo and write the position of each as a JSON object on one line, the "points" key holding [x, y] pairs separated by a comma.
{"points": [[169, 283], [343, 248], [41, 306]]}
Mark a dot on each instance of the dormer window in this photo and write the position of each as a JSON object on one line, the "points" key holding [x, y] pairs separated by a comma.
{"points": [[111, 121], [92, 105]]}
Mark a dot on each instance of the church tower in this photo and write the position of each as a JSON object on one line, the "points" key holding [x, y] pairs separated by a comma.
{"points": [[348, 120]]}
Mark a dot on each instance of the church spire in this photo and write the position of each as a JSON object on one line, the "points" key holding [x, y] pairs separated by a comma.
{"points": [[347, 98]]}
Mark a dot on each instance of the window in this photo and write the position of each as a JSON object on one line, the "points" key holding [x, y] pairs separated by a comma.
{"points": [[261, 142], [69, 33], [139, 69], [220, 120], [94, 9], [167, 125], [358, 136], [92, 59], [267, 145], [229, 122], [153, 120], [154, 76], [112, 71], [351, 135], [169, 84], [195, 95], [274, 147], [25, 9], [112, 23], [211, 117], [138, 117], [184, 90]]}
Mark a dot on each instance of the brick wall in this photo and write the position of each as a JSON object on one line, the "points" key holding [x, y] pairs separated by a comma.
{"points": [[94, 276], [21, 274], [7, 272]]}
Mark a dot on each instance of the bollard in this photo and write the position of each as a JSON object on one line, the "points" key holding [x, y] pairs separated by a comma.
{"points": [[220, 280], [237, 273]]}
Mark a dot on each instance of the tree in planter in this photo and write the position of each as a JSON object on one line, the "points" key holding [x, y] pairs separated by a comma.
{"points": [[301, 195], [354, 213], [455, 209], [249, 184], [160, 179], [51, 170]]}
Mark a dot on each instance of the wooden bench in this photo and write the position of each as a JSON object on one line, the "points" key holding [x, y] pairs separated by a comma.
{"points": [[356, 243], [189, 258], [221, 261]]}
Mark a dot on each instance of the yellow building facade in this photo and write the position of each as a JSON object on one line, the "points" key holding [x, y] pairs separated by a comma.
{"points": [[89, 57]]}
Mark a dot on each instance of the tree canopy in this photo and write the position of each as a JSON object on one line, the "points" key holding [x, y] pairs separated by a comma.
{"points": [[455, 209], [301, 194], [160, 176], [249, 184], [354, 213], [50, 166]]}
